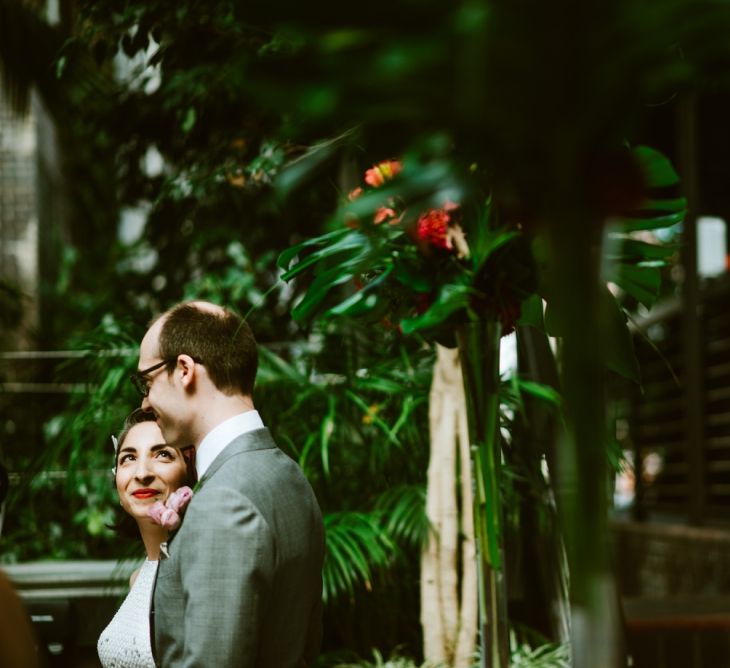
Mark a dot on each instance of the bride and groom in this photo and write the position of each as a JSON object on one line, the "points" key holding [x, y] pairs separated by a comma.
{"points": [[239, 583]]}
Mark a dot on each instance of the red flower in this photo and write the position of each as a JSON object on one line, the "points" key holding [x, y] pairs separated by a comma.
{"points": [[382, 172], [354, 194], [433, 228], [423, 301]]}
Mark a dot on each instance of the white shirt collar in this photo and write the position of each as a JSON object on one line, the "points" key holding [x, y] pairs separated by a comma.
{"points": [[219, 437]]}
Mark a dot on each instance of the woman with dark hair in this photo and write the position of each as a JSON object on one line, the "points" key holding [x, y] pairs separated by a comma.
{"points": [[151, 479]]}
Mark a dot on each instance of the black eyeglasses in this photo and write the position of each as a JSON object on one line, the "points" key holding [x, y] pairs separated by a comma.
{"points": [[139, 378]]}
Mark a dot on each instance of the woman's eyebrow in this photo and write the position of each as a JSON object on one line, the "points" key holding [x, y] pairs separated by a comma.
{"points": [[127, 448], [160, 446]]}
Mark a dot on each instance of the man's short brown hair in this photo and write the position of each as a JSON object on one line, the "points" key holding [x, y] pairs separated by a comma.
{"points": [[221, 341]]}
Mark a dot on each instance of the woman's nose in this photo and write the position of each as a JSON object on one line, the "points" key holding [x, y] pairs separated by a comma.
{"points": [[143, 470]]}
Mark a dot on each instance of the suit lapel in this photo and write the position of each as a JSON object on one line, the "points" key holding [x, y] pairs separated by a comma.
{"points": [[258, 439]]}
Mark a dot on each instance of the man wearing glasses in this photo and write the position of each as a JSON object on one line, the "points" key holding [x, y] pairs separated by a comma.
{"points": [[240, 583]]}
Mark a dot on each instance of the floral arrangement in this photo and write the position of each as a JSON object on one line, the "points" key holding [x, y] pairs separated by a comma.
{"points": [[168, 514], [437, 228], [421, 249], [418, 263]]}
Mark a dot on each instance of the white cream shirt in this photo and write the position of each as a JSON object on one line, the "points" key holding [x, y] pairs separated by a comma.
{"points": [[216, 440]]}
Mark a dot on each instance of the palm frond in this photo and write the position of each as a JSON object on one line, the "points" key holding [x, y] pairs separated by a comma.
{"points": [[394, 661], [356, 547], [404, 514], [545, 656]]}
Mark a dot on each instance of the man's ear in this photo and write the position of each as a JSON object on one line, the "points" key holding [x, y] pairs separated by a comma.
{"points": [[186, 370]]}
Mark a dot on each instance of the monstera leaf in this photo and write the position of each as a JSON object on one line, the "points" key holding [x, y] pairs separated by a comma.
{"points": [[631, 262]]}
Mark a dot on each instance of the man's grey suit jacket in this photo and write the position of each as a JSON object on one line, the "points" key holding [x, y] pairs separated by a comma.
{"points": [[241, 583]]}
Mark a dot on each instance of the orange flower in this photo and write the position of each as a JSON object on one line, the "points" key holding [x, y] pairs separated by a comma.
{"points": [[433, 228], [385, 213], [382, 172], [369, 417], [354, 194]]}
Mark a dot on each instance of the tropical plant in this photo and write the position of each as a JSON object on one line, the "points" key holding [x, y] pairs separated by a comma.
{"points": [[544, 656], [394, 661], [401, 246], [540, 109], [345, 404], [411, 265], [544, 112], [521, 656]]}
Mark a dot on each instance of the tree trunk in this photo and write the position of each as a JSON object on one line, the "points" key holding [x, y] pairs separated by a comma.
{"points": [[449, 624], [439, 603]]}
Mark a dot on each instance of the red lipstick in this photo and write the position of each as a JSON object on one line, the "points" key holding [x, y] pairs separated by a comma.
{"points": [[146, 493]]}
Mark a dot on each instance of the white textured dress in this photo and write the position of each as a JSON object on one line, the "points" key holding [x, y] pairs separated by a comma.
{"points": [[126, 642]]}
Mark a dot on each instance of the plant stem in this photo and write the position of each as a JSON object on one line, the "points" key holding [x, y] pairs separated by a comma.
{"points": [[479, 343]]}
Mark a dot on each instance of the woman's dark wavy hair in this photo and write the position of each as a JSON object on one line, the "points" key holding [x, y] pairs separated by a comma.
{"points": [[124, 524]]}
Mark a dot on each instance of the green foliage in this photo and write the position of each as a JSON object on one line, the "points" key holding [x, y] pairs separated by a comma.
{"points": [[235, 91], [68, 484], [355, 541], [522, 656], [380, 264], [401, 244], [630, 262], [394, 661], [350, 408], [403, 508], [546, 656]]}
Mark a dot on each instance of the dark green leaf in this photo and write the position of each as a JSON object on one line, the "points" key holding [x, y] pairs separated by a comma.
{"points": [[363, 300], [544, 392], [664, 205], [404, 510], [350, 241], [617, 342], [305, 168], [377, 421], [649, 223], [642, 283], [290, 253], [384, 385], [531, 312], [451, 298], [413, 277], [658, 170], [631, 250], [484, 239], [325, 433]]}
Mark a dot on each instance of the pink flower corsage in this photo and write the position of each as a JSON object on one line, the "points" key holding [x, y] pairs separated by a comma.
{"points": [[168, 513]]}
